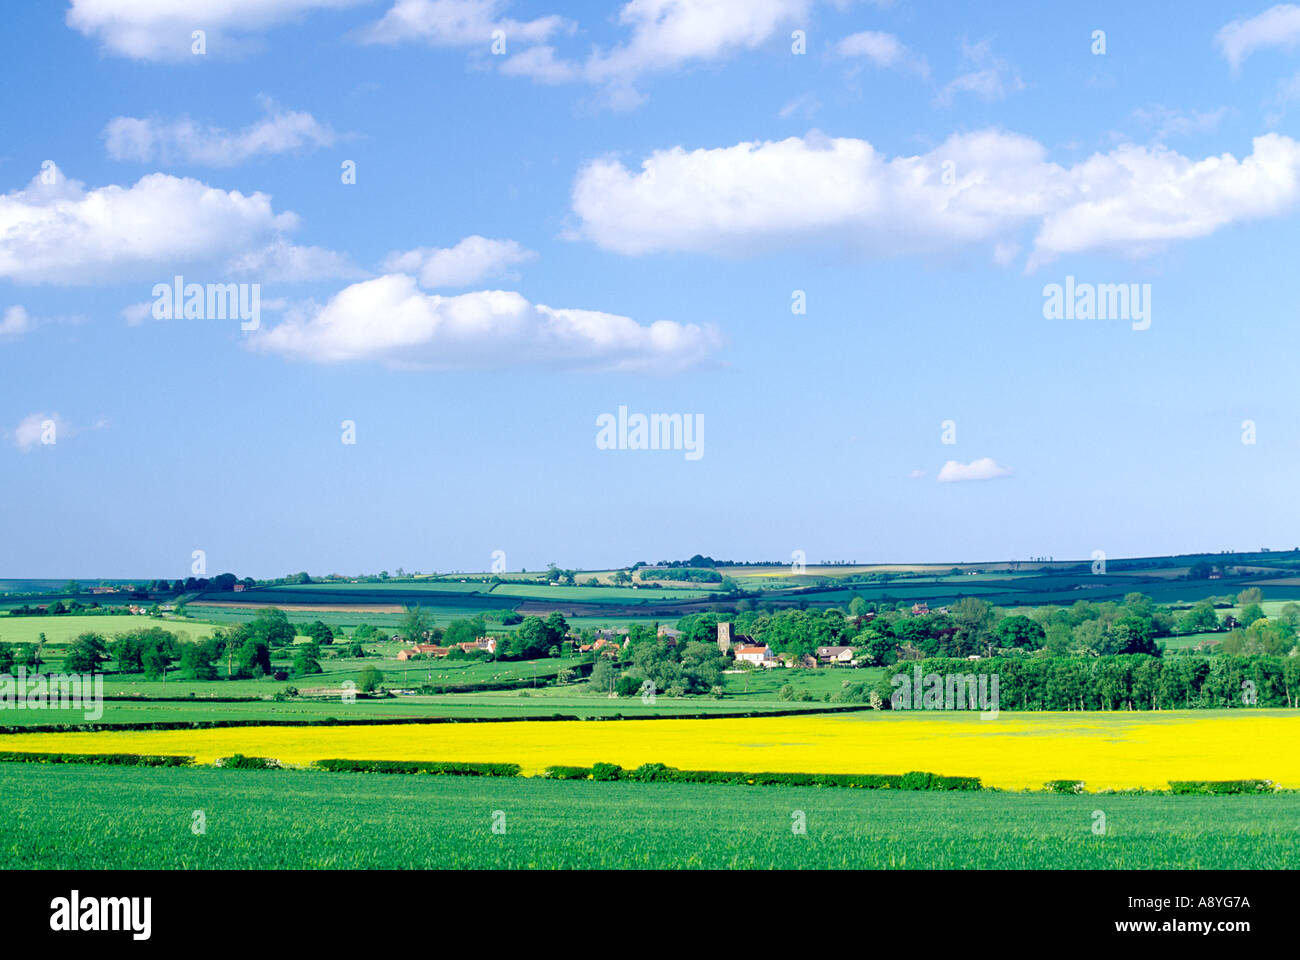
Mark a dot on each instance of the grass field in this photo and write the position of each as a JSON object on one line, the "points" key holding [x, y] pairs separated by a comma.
{"points": [[519, 704], [1014, 751], [114, 817], [61, 630]]}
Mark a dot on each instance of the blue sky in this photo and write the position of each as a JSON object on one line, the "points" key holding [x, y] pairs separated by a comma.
{"points": [[617, 211]]}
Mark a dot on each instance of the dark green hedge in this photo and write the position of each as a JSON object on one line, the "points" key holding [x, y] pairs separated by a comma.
{"points": [[1220, 786], [114, 759], [420, 766], [241, 762], [659, 773]]}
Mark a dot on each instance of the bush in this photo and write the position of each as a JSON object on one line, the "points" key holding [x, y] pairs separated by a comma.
{"points": [[661, 773], [568, 773], [108, 759], [1220, 786], [1064, 786], [420, 766], [241, 762]]}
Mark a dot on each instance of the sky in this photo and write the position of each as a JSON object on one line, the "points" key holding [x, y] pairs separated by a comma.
{"points": [[823, 233]]}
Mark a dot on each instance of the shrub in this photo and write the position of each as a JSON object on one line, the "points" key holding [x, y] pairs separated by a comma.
{"points": [[559, 772], [1064, 786], [606, 771], [111, 759], [1220, 786], [420, 766], [241, 762]]}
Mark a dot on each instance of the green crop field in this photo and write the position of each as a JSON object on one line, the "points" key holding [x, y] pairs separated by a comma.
{"points": [[544, 702], [92, 817], [63, 629]]}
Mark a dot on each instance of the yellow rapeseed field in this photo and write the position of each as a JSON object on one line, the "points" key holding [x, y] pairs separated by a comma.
{"points": [[1014, 751]]}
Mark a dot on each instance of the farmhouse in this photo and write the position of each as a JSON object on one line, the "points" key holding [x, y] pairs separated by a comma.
{"points": [[428, 649], [835, 654], [761, 655]]}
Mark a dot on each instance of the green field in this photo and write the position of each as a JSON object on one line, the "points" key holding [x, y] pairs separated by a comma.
{"points": [[63, 629], [545, 702], [97, 817]]}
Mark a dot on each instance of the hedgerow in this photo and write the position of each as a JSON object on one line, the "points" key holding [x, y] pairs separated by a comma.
{"points": [[660, 773], [111, 759], [1220, 786], [420, 766]]}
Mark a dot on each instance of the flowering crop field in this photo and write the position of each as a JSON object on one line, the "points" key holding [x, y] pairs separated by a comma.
{"points": [[1014, 751]]}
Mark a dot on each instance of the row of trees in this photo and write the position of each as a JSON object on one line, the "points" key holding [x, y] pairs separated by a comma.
{"points": [[1123, 682]]}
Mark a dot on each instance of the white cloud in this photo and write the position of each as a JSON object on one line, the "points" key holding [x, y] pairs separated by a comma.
{"points": [[916, 475], [666, 35], [1277, 26], [884, 50], [390, 320], [60, 232], [283, 262], [38, 429], [986, 468], [161, 29], [472, 260], [15, 322], [458, 23], [280, 131], [981, 187], [992, 79]]}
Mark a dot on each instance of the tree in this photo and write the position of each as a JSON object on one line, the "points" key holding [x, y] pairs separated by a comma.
{"points": [[1019, 631], [602, 676], [6, 657], [1250, 595], [85, 654], [1250, 613], [272, 627], [155, 663], [197, 659], [320, 632], [253, 658], [306, 659], [415, 624], [369, 680]]}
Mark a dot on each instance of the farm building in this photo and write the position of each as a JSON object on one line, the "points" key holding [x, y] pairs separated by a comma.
{"points": [[754, 653], [835, 654]]}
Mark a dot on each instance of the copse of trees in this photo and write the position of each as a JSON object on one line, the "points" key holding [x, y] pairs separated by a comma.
{"points": [[535, 638], [1122, 682]]}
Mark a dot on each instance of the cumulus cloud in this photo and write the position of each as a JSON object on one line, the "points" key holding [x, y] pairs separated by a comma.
{"points": [[60, 232], [986, 468], [15, 322], [183, 141], [979, 187], [458, 23], [38, 429], [390, 320], [1277, 26], [665, 35], [472, 260], [161, 29], [882, 49]]}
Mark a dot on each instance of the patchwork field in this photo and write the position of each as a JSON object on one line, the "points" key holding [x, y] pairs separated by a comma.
{"points": [[1014, 751], [116, 817]]}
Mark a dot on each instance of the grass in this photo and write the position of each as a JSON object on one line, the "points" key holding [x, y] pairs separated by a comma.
{"points": [[86, 817], [567, 701], [62, 630]]}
